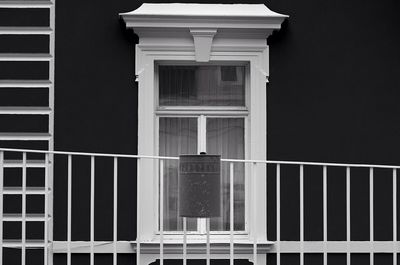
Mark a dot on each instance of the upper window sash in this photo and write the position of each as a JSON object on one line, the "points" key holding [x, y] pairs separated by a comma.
{"points": [[201, 86]]}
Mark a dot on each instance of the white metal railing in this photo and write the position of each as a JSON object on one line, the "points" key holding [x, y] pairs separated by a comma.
{"points": [[254, 249]]}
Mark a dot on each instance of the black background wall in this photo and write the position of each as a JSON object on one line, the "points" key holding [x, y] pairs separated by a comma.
{"points": [[333, 96], [333, 92]]}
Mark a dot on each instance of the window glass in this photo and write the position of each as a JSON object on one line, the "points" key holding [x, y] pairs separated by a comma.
{"points": [[177, 136], [225, 136], [199, 85]]}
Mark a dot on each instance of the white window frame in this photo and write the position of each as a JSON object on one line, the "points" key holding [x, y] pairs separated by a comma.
{"points": [[204, 33], [201, 113], [146, 61]]}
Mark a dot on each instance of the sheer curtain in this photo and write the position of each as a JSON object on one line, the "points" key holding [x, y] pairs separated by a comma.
{"points": [[225, 136], [177, 136], [202, 85]]}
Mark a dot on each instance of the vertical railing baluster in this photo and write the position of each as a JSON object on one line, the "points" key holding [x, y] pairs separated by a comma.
{"points": [[254, 210], [231, 209], [348, 237], [394, 216], [184, 241], [46, 207], [325, 211], [115, 210], [69, 218], [278, 213], [161, 212], [1, 204], [138, 222], [50, 210], [371, 214], [23, 249], [92, 198], [301, 215], [208, 241]]}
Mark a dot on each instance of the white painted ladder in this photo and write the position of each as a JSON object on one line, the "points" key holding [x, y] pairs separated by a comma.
{"points": [[22, 138]]}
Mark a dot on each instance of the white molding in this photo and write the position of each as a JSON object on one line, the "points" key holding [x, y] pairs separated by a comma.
{"points": [[245, 16], [202, 43], [205, 33]]}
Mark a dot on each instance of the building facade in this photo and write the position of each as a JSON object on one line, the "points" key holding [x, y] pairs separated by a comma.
{"points": [[325, 90]]}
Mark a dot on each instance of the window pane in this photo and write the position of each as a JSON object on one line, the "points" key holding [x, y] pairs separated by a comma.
{"points": [[177, 136], [201, 85], [225, 136]]}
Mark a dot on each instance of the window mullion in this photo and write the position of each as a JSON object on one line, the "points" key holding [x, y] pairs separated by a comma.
{"points": [[202, 130], [202, 147]]}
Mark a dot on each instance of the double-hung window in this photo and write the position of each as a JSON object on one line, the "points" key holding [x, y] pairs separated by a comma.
{"points": [[203, 108]]}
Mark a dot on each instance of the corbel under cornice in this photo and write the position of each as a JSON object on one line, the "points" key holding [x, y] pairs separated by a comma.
{"points": [[202, 43]]}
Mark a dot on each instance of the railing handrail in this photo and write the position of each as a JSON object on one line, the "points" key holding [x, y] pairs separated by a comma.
{"points": [[223, 160]]}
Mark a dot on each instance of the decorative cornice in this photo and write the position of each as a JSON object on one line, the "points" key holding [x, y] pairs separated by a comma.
{"points": [[200, 16]]}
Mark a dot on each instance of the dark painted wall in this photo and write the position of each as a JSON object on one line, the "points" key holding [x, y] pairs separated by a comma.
{"points": [[333, 92]]}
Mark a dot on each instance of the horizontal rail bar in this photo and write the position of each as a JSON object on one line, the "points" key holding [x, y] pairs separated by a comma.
{"points": [[24, 83], [9, 163], [25, 30], [285, 247], [28, 243], [223, 160], [154, 248], [338, 247], [25, 110], [13, 136], [29, 190], [25, 4], [19, 217], [18, 57]]}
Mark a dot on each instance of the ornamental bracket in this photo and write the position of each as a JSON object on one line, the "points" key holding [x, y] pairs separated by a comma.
{"points": [[202, 43]]}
